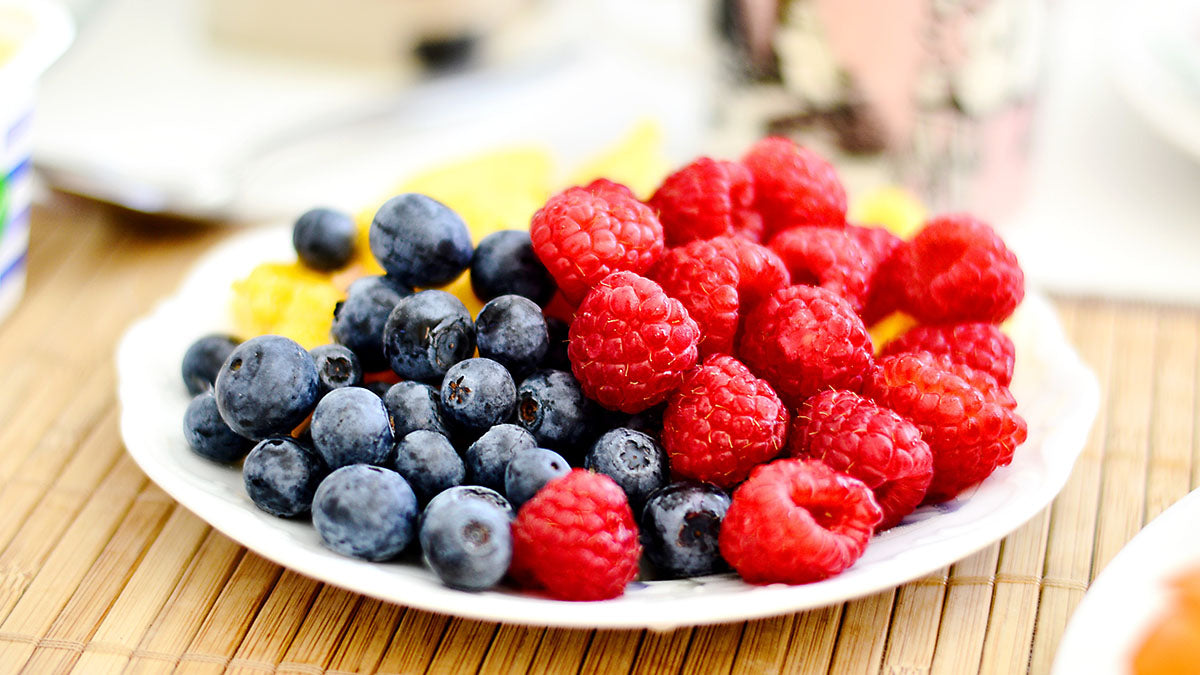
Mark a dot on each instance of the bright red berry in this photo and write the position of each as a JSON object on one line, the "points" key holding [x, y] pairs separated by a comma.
{"points": [[796, 521], [576, 538], [885, 293], [706, 282], [760, 270], [875, 445], [827, 257], [958, 269], [982, 346], [794, 186], [707, 198], [967, 419], [722, 423], [582, 235], [603, 187], [631, 343], [804, 339]]}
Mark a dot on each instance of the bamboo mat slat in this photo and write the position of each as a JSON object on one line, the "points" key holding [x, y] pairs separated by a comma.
{"points": [[100, 572]]}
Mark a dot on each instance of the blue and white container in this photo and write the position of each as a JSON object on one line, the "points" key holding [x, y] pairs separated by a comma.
{"points": [[33, 33]]}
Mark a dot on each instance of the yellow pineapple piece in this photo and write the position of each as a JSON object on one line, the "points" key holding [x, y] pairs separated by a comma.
{"points": [[285, 299], [891, 207]]}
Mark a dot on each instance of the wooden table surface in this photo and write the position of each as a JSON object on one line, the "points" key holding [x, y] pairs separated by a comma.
{"points": [[101, 572]]}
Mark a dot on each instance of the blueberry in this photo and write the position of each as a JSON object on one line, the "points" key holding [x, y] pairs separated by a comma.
{"points": [[413, 406], [420, 241], [632, 459], [365, 511], [556, 352], [281, 476], [551, 405], [203, 359], [470, 492], [358, 320], [352, 426], [511, 330], [427, 333], [429, 463], [478, 394], [337, 367], [505, 264], [378, 387], [648, 421], [529, 470], [679, 528], [208, 435], [466, 542], [488, 457], [324, 238], [266, 387]]}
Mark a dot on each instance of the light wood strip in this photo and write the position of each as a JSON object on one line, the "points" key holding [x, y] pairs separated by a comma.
{"points": [[764, 645], [76, 623], [272, 631], [964, 618], [1014, 606], [367, 637], [226, 624], [1126, 446], [713, 648], [44, 410], [328, 619], [560, 652], [662, 652], [512, 649], [915, 622], [611, 651], [415, 642], [465, 641], [810, 648], [143, 597], [863, 633], [1168, 477], [184, 612], [1092, 329]]}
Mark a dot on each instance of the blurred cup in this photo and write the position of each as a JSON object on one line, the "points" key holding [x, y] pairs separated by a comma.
{"points": [[934, 95]]}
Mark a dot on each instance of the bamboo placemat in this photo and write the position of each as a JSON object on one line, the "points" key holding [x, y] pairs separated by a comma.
{"points": [[101, 572]]}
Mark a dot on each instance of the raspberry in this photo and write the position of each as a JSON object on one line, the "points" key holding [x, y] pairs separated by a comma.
{"points": [[706, 282], [967, 419], [797, 521], [576, 538], [875, 445], [722, 423], [982, 346], [794, 186], [827, 257], [582, 235], [760, 270], [958, 269], [804, 339], [705, 199], [630, 343], [884, 292], [603, 187]]}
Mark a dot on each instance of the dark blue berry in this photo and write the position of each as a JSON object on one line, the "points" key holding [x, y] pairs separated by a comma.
{"points": [[267, 387], [414, 406], [464, 492], [679, 528], [511, 330], [420, 241], [478, 394], [428, 461], [378, 387], [365, 511], [203, 359], [337, 367], [649, 421], [351, 426], [529, 470], [632, 459], [324, 238], [488, 457], [505, 264], [208, 435], [281, 476], [551, 405], [359, 320], [466, 542], [427, 333], [556, 352]]}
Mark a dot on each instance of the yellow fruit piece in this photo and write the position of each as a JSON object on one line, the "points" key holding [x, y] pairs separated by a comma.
{"points": [[891, 207], [637, 161], [285, 299], [890, 327]]}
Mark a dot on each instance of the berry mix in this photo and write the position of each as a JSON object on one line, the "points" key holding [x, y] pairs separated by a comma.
{"points": [[672, 388]]}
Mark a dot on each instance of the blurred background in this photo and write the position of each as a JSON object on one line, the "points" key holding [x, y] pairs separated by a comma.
{"points": [[1072, 125]]}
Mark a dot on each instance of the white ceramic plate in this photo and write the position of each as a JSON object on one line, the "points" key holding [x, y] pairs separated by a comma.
{"points": [[1129, 595], [1057, 395]]}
